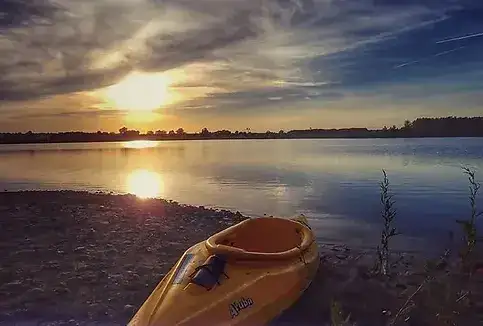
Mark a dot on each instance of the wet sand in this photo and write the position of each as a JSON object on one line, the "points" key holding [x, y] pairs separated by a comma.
{"points": [[78, 258]]}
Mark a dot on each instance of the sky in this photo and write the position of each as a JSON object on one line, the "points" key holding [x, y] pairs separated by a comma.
{"points": [[236, 64]]}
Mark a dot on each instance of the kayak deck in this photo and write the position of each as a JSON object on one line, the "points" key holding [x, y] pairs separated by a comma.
{"points": [[245, 275]]}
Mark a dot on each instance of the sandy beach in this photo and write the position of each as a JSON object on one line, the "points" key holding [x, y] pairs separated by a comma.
{"points": [[79, 258]]}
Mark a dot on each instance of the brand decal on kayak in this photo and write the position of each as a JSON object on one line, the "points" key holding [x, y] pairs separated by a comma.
{"points": [[239, 305]]}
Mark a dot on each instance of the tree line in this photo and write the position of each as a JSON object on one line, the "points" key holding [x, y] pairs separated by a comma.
{"points": [[421, 127]]}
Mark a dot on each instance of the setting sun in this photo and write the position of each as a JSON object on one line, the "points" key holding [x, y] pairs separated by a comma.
{"points": [[144, 184], [140, 92]]}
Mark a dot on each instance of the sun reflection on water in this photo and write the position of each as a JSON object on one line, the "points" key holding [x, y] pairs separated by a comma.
{"points": [[145, 184], [139, 144]]}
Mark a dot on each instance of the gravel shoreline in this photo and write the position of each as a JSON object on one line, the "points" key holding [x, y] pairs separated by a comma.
{"points": [[80, 258]]}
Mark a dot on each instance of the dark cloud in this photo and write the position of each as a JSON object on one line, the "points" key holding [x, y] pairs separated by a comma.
{"points": [[62, 113], [198, 44], [14, 13], [44, 87]]}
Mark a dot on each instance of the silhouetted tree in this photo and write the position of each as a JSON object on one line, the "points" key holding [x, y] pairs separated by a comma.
{"points": [[180, 131], [132, 133], [407, 125], [448, 127], [123, 130], [222, 133], [205, 132]]}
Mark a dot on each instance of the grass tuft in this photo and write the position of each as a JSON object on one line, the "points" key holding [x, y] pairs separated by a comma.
{"points": [[337, 317], [469, 225], [388, 214]]}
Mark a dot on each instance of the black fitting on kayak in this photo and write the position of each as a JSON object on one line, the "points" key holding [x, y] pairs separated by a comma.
{"points": [[209, 273], [305, 224]]}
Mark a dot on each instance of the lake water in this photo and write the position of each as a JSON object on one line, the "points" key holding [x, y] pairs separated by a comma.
{"points": [[335, 182]]}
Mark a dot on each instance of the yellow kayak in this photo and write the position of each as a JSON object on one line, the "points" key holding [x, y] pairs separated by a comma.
{"points": [[246, 274]]}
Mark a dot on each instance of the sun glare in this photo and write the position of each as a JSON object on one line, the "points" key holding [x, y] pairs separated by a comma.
{"points": [[139, 144], [144, 184], [140, 92]]}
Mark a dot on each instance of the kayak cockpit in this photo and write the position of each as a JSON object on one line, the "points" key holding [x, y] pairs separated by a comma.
{"points": [[261, 238]]}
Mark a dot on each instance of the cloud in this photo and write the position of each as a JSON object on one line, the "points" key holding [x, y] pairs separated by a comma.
{"points": [[67, 114], [19, 12], [244, 53], [428, 58], [460, 38], [235, 56]]}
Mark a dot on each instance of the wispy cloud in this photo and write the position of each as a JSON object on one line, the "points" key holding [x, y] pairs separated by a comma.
{"points": [[429, 58], [407, 64], [460, 38], [449, 51]]}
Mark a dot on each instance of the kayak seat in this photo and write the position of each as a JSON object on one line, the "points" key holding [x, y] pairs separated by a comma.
{"points": [[261, 238], [209, 273], [263, 235]]}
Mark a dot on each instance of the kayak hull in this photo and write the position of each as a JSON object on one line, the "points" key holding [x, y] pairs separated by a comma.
{"points": [[238, 287]]}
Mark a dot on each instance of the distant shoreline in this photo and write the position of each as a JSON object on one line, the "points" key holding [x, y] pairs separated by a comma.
{"points": [[448, 127], [226, 139]]}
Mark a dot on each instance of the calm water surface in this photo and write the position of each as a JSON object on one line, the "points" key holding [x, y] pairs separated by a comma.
{"points": [[335, 182]]}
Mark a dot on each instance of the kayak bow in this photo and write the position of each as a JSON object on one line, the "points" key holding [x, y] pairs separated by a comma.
{"points": [[247, 274]]}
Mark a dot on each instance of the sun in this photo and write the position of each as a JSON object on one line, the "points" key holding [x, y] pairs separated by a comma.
{"points": [[140, 92]]}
